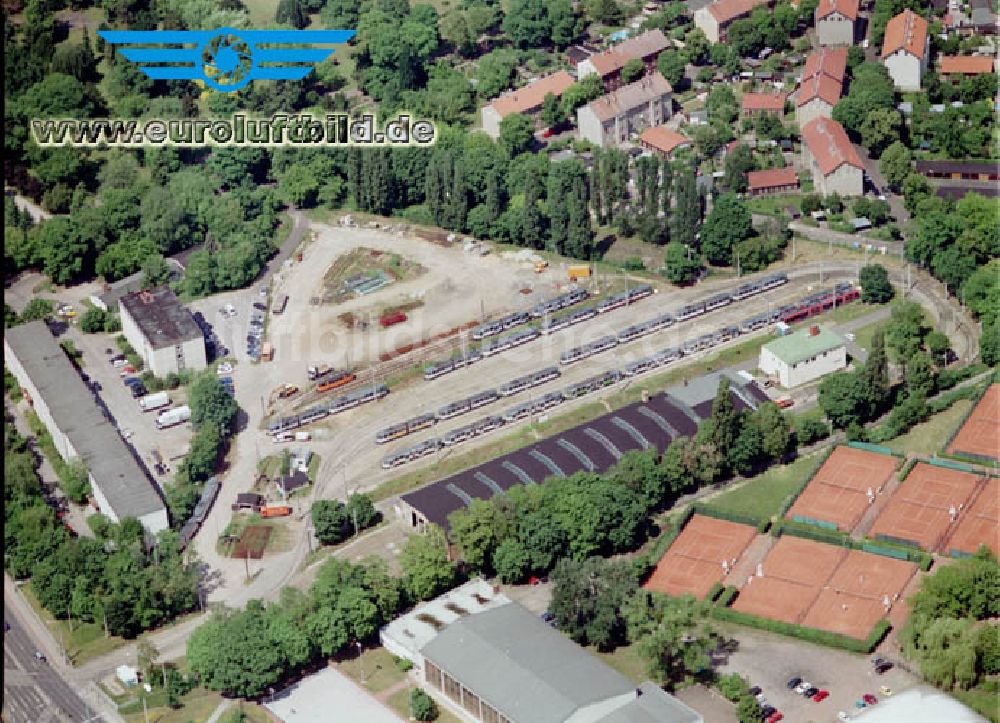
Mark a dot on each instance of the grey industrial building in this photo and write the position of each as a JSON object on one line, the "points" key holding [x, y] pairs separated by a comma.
{"points": [[162, 331], [499, 663], [79, 428]]}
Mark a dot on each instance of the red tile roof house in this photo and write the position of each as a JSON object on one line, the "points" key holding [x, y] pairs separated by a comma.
{"points": [[714, 19], [773, 180], [608, 65], [759, 103], [831, 158], [835, 21], [955, 68], [527, 100], [905, 49], [822, 84], [663, 141]]}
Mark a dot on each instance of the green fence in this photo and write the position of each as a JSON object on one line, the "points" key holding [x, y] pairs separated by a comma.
{"points": [[826, 525], [885, 551], [709, 511], [951, 464], [868, 446]]}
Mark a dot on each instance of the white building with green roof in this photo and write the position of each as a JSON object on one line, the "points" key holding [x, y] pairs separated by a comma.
{"points": [[803, 356]]}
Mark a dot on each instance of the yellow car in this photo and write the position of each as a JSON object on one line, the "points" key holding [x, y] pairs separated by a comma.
{"points": [[885, 691]]}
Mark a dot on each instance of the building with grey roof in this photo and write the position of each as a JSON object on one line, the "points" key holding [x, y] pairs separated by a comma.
{"points": [[500, 663], [80, 429], [112, 294], [612, 119], [162, 331]]}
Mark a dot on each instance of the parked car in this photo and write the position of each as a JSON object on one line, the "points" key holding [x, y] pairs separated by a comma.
{"points": [[259, 306], [548, 617], [775, 717], [768, 710], [793, 683], [869, 699], [802, 687], [755, 691], [821, 696], [811, 691], [885, 691], [878, 660], [224, 368], [883, 668], [842, 716], [119, 362]]}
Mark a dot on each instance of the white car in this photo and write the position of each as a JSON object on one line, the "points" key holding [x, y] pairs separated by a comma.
{"points": [[842, 716], [119, 363], [803, 687], [224, 368]]}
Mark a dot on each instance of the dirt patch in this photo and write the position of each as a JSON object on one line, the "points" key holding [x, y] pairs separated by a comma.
{"points": [[369, 319], [252, 542], [362, 271]]}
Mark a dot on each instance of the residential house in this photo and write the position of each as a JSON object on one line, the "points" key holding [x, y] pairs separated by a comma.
{"points": [[835, 21], [608, 65], [822, 84], [905, 49], [831, 158], [663, 141], [955, 68], [715, 18], [763, 103], [611, 119], [831, 62], [527, 100], [772, 180]]}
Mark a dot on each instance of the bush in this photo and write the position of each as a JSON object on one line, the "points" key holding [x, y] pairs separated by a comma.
{"points": [[422, 706], [812, 430], [726, 598], [733, 686], [402, 664], [93, 320]]}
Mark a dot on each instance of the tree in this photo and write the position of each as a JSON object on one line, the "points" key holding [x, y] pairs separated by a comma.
{"points": [[526, 23], [811, 430], [895, 163], [588, 597], [686, 218], [672, 66], [679, 267], [870, 88], [915, 188], [211, 405], [330, 521], [517, 132], [361, 511], [880, 128], [290, 12], [580, 93], [671, 633], [774, 429], [875, 286], [748, 709], [427, 571], [633, 69], [874, 376], [477, 530], [842, 397], [512, 561], [422, 706], [552, 112], [155, 271], [92, 320], [738, 162], [906, 328], [733, 686], [726, 225], [234, 653], [638, 470]]}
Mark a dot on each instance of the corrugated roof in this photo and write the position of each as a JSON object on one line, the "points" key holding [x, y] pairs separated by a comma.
{"points": [[630, 96], [819, 86], [772, 178], [764, 101], [663, 139], [653, 705], [801, 345], [826, 61], [828, 143], [725, 11], [109, 460], [521, 666], [641, 46], [906, 31], [161, 317], [966, 64], [531, 96], [847, 8]]}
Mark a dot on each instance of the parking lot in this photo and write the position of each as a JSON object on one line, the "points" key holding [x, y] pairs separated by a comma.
{"points": [[770, 661]]}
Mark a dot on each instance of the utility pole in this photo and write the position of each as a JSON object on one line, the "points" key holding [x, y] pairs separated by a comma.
{"points": [[737, 263], [145, 713]]}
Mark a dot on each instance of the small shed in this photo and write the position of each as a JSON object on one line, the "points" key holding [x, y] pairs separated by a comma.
{"points": [[860, 224], [128, 675], [296, 479], [248, 501]]}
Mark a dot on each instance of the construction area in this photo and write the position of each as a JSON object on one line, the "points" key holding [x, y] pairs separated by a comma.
{"points": [[843, 488], [824, 587], [979, 438], [929, 502], [703, 554]]}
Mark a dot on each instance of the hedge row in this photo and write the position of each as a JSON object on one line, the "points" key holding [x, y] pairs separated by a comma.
{"points": [[810, 532], [727, 596], [647, 561], [904, 472], [813, 635], [713, 592], [709, 511]]}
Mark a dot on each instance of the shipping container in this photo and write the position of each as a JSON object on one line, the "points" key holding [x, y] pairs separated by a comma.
{"points": [[279, 304], [397, 317], [276, 511], [578, 271], [266, 351]]}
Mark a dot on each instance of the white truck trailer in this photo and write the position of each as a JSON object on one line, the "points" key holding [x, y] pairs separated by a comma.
{"points": [[151, 402], [173, 417]]}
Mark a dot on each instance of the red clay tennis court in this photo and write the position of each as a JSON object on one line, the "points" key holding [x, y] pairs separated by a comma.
{"points": [[825, 587], [838, 492], [980, 523], [921, 510], [980, 435], [693, 564]]}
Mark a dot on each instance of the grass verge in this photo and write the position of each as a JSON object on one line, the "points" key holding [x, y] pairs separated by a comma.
{"points": [[762, 496], [929, 436], [375, 670], [82, 641]]}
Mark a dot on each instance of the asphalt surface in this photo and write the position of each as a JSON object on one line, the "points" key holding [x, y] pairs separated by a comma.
{"points": [[34, 691]]}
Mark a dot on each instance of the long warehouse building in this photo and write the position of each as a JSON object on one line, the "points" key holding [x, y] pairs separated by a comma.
{"points": [[593, 446], [79, 428]]}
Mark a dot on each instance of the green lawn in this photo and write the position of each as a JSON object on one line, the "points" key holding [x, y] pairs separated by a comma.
{"points": [[930, 436], [626, 660], [762, 496], [982, 701], [84, 642], [375, 670]]}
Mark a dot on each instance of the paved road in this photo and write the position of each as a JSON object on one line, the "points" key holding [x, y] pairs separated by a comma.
{"points": [[26, 204], [35, 691], [871, 165]]}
